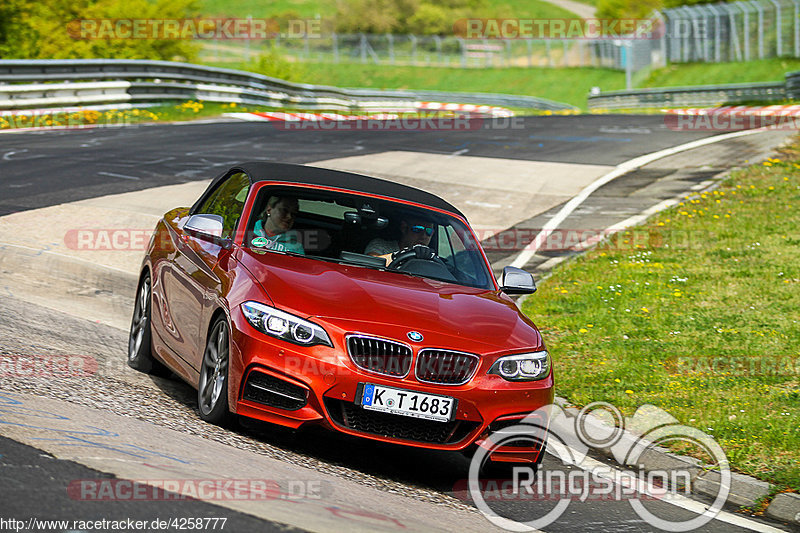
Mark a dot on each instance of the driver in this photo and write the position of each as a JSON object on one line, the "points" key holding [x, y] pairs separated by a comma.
{"points": [[274, 231], [413, 231]]}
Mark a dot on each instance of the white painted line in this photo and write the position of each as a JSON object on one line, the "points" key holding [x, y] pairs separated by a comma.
{"points": [[615, 475], [701, 186], [623, 168], [118, 175]]}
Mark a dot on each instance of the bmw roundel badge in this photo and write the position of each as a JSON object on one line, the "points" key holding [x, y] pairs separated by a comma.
{"points": [[415, 336]]}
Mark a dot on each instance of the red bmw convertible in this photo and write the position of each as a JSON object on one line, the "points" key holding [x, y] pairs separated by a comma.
{"points": [[298, 295]]}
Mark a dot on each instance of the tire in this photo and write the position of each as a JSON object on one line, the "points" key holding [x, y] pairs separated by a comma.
{"points": [[212, 388], [140, 355]]}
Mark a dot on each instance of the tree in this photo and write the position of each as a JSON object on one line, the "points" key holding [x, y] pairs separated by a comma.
{"points": [[31, 29]]}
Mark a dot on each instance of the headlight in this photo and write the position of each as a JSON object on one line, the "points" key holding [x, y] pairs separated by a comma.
{"points": [[284, 326], [523, 367]]}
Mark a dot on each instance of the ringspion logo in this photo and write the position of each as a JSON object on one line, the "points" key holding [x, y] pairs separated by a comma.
{"points": [[570, 438]]}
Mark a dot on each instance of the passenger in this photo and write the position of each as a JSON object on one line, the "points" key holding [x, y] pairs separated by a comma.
{"points": [[413, 231], [273, 229]]}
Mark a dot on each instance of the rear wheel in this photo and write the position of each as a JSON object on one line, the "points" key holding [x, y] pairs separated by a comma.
{"points": [[212, 390], [140, 355]]}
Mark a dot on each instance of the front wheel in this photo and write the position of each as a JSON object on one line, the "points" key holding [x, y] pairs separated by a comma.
{"points": [[212, 390]]}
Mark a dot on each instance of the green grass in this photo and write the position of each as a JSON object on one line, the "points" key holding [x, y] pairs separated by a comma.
{"points": [[712, 73], [542, 82], [274, 8], [524, 9], [326, 9], [568, 85], [641, 319]]}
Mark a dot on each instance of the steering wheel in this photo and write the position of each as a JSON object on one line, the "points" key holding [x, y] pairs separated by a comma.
{"points": [[418, 251]]}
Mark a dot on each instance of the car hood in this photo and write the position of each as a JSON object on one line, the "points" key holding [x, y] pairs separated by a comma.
{"points": [[389, 304]]}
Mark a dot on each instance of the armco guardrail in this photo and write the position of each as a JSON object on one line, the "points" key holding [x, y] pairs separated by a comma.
{"points": [[74, 82], [701, 95], [793, 85]]}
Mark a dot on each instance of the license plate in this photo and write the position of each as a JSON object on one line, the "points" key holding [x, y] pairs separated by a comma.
{"points": [[407, 403]]}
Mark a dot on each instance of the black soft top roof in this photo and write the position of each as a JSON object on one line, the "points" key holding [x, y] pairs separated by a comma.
{"points": [[259, 171]]}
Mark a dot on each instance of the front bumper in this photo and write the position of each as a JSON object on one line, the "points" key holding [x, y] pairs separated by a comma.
{"points": [[322, 385]]}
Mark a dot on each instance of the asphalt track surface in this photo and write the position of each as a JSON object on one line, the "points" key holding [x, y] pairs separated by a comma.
{"points": [[48, 168], [43, 169], [30, 477]]}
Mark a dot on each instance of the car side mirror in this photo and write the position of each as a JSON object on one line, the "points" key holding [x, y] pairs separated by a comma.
{"points": [[517, 281], [208, 227]]}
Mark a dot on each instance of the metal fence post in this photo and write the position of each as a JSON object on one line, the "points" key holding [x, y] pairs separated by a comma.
{"points": [[249, 32], [663, 39], [717, 33], [390, 39], [674, 50], [463, 47], [529, 44], [627, 47], [701, 40], [733, 41], [413, 49], [547, 48], [746, 32], [686, 42], [363, 43], [796, 29], [335, 39], [438, 41], [778, 24], [760, 30]]}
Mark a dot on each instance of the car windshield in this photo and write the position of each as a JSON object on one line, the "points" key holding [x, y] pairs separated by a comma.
{"points": [[355, 229]]}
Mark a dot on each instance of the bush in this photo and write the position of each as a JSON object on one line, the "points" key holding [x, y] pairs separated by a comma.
{"points": [[274, 65], [404, 16], [31, 29]]}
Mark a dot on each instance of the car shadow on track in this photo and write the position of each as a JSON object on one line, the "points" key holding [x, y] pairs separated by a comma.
{"points": [[432, 469]]}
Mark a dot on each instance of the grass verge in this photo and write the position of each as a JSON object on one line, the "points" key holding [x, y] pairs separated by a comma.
{"points": [[568, 85], [327, 9], [179, 112], [169, 112], [695, 312]]}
